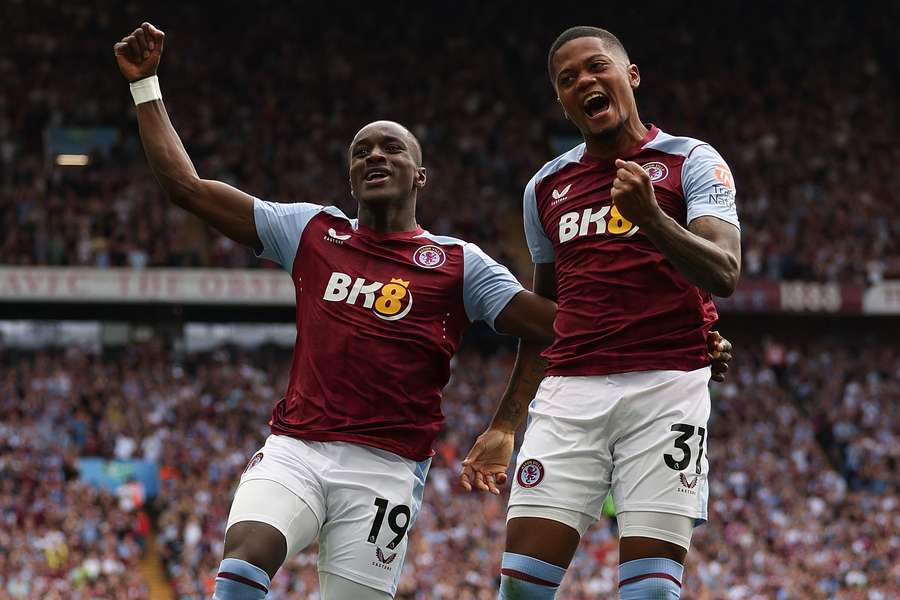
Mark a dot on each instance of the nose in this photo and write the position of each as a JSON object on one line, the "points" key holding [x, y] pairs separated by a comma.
{"points": [[585, 80], [376, 155]]}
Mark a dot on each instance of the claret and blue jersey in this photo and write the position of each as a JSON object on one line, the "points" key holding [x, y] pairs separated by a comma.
{"points": [[622, 305], [379, 315]]}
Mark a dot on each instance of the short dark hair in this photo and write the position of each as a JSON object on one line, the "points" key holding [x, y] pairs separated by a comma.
{"points": [[573, 33], [415, 145]]}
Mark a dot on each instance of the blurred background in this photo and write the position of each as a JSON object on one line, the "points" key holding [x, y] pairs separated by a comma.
{"points": [[140, 352]]}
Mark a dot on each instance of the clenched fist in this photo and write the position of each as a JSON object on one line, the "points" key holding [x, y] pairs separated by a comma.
{"points": [[138, 54], [632, 193]]}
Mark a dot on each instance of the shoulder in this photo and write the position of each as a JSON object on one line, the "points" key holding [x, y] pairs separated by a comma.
{"points": [[331, 212], [470, 252], [557, 164], [678, 145], [295, 209], [441, 240]]}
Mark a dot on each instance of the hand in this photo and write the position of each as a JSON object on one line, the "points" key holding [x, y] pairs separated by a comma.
{"points": [[632, 194], [487, 461], [138, 54], [719, 355]]}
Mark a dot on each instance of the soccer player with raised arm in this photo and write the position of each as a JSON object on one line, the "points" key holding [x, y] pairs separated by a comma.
{"points": [[631, 233], [381, 308]]}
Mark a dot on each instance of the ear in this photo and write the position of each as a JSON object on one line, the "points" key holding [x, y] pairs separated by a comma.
{"points": [[634, 76], [352, 191], [420, 178], [565, 114]]}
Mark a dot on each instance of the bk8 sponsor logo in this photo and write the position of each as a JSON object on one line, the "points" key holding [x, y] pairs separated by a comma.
{"points": [[606, 219], [389, 301]]}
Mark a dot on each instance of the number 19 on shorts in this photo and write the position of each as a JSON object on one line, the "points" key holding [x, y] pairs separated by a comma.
{"points": [[397, 521]]}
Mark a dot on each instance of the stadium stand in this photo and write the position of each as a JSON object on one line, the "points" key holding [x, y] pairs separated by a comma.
{"points": [[812, 149], [804, 443], [803, 447]]}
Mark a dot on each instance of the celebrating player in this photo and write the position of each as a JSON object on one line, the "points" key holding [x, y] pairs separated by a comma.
{"points": [[630, 232], [381, 307]]}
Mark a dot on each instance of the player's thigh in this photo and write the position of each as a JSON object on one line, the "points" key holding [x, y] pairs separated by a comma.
{"points": [[265, 516], [373, 499], [660, 453], [281, 489], [335, 587], [565, 460], [552, 539], [563, 468], [645, 534]]}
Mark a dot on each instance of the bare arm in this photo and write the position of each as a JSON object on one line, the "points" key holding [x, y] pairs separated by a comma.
{"points": [[486, 464], [528, 370], [528, 316], [224, 207], [708, 253]]}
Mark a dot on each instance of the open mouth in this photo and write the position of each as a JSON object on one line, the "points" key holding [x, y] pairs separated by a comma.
{"points": [[377, 175], [595, 104]]}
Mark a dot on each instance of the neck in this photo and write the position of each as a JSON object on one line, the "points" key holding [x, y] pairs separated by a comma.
{"points": [[614, 144], [386, 216]]}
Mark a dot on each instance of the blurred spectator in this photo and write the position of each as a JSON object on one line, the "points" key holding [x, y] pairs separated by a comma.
{"points": [[61, 539], [812, 149], [804, 486]]}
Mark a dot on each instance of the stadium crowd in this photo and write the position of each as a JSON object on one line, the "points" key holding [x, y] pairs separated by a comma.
{"points": [[812, 149], [61, 538], [803, 450], [804, 441]]}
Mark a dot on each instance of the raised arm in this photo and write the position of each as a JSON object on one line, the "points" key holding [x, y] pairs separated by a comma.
{"points": [[222, 206], [708, 252]]}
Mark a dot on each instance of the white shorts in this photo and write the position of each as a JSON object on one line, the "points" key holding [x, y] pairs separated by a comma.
{"points": [[641, 435], [367, 500]]}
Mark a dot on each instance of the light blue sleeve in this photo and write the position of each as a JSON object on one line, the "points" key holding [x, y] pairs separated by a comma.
{"points": [[488, 286], [708, 186], [279, 227], [539, 244]]}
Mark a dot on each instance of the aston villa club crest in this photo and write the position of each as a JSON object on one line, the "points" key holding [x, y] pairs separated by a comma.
{"points": [[254, 461], [430, 257], [656, 170], [530, 473]]}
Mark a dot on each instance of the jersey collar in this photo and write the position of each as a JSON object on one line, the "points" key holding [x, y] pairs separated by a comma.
{"points": [[652, 132], [385, 235]]}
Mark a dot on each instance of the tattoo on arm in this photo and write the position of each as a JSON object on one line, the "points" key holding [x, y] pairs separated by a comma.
{"points": [[707, 253], [527, 375]]}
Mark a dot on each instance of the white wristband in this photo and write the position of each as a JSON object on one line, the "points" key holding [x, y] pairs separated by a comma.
{"points": [[146, 90]]}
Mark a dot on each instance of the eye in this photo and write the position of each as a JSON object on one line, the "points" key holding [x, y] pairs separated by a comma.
{"points": [[360, 152], [394, 148], [598, 66], [566, 80]]}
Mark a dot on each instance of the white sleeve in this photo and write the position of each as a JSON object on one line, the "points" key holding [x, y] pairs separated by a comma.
{"points": [[708, 186], [539, 244], [488, 286], [279, 227]]}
